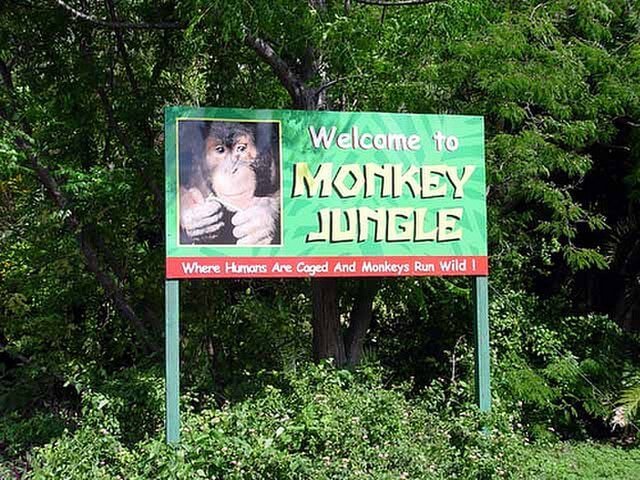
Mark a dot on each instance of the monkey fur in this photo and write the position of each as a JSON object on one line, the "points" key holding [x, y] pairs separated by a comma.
{"points": [[240, 175]]}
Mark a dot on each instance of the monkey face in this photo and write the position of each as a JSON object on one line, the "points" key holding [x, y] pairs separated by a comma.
{"points": [[230, 157]]}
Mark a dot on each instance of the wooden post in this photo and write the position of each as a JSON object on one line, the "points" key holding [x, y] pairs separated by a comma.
{"points": [[172, 359], [481, 338]]}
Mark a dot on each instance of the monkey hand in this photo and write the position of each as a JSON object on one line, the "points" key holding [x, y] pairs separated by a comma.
{"points": [[257, 225], [200, 218]]}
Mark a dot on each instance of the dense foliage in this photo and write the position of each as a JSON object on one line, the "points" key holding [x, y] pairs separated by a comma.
{"points": [[81, 254]]}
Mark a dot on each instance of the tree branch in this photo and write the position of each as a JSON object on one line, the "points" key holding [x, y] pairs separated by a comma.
{"points": [[24, 360], [111, 288], [18, 356], [5, 73], [123, 50], [87, 54], [128, 148], [88, 251], [120, 25], [329, 84], [626, 121], [302, 97]]}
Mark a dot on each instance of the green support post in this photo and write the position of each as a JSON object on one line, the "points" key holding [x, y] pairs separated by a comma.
{"points": [[172, 358], [481, 338]]}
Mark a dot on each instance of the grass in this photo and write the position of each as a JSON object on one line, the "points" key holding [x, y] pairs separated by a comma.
{"points": [[583, 461]]}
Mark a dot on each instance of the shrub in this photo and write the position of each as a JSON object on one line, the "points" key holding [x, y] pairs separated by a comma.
{"points": [[319, 423], [563, 371]]}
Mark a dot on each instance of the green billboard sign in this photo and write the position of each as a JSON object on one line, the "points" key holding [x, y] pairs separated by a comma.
{"points": [[282, 193]]}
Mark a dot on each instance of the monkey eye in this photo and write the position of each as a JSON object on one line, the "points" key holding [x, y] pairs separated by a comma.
{"points": [[220, 149], [241, 147]]}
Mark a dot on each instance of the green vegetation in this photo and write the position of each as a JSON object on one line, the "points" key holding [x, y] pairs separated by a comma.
{"points": [[81, 246], [584, 461], [320, 423]]}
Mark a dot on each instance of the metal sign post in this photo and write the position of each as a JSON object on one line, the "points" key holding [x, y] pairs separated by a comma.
{"points": [[481, 339], [172, 359]]}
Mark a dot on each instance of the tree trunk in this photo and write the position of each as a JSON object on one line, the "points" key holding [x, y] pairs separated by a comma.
{"points": [[327, 333], [328, 338], [360, 319]]}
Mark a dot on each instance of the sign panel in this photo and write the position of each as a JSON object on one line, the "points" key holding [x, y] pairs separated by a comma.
{"points": [[283, 193]]}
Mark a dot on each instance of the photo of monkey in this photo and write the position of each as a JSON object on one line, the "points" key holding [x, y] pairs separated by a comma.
{"points": [[229, 181]]}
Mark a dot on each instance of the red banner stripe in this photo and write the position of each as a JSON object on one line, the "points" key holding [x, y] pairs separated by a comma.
{"points": [[290, 267]]}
